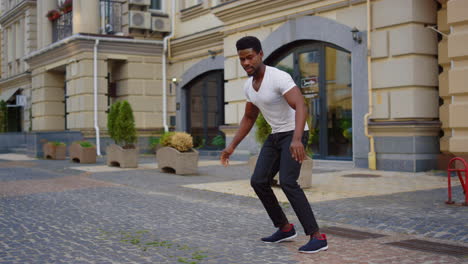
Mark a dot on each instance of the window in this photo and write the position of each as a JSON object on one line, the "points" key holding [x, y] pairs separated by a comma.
{"points": [[189, 3], [156, 4]]}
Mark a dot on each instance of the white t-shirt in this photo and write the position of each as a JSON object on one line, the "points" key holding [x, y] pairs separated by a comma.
{"points": [[270, 100]]}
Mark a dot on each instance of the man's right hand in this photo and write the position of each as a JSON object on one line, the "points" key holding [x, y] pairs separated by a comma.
{"points": [[225, 154]]}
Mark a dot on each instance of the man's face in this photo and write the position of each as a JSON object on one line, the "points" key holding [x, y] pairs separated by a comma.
{"points": [[250, 60]]}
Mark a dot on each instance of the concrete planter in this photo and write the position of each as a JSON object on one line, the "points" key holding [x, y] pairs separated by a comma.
{"points": [[120, 157], [81, 154], [305, 177], [52, 151], [181, 162]]}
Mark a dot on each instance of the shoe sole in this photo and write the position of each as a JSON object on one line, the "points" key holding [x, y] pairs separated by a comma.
{"points": [[315, 251], [281, 240]]}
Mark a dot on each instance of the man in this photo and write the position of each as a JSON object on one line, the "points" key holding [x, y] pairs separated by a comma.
{"points": [[274, 93]]}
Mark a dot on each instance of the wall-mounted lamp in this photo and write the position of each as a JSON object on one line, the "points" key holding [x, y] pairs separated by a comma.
{"points": [[174, 82], [212, 53], [356, 35]]}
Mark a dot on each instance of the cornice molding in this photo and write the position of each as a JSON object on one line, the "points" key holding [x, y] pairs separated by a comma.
{"points": [[14, 13], [78, 46], [242, 10], [193, 12], [22, 78], [198, 41], [232, 12]]}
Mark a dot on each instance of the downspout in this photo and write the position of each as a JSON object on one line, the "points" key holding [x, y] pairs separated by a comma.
{"points": [[96, 126], [371, 155], [164, 66]]}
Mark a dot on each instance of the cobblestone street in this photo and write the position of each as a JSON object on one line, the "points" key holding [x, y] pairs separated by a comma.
{"points": [[51, 213]]}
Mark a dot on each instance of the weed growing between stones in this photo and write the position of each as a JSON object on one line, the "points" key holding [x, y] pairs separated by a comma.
{"points": [[143, 240]]}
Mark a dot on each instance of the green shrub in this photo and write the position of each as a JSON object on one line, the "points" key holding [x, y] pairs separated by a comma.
{"points": [[166, 139], [86, 144], [218, 141], [263, 129], [181, 141], [112, 120], [153, 142], [126, 125], [57, 143], [121, 124]]}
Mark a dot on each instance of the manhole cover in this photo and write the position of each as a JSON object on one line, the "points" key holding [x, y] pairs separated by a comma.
{"points": [[358, 175], [438, 248]]}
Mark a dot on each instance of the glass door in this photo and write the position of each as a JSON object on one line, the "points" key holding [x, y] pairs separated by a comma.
{"points": [[323, 74]]}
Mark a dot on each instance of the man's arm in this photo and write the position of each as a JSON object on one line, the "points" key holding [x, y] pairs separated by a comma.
{"points": [[296, 101], [246, 124]]}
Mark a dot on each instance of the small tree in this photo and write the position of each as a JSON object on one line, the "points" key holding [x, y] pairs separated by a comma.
{"points": [[125, 126], [111, 122]]}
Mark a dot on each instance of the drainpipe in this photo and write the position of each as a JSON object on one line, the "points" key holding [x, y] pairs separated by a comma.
{"points": [[96, 126], [164, 66], [371, 155]]}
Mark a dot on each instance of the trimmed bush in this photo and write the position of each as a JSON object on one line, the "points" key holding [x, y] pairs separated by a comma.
{"points": [[86, 144], [179, 140], [166, 139], [112, 120], [126, 125], [263, 129], [182, 141], [56, 143], [121, 124]]}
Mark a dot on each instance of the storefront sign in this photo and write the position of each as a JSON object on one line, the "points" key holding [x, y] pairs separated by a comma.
{"points": [[308, 82]]}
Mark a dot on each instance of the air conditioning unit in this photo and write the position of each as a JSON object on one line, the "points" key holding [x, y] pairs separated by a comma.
{"points": [[139, 2], [160, 24], [139, 19]]}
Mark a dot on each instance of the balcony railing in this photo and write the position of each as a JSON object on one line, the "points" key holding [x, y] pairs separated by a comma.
{"points": [[111, 17], [62, 27]]}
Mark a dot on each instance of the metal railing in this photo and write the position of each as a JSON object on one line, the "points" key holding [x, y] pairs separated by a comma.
{"points": [[62, 27]]}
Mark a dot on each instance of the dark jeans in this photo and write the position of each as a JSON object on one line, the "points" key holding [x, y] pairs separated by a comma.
{"points": [[275, 156]]}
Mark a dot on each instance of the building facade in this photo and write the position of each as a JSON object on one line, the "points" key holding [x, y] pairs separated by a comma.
{"points": [[384, 80]]}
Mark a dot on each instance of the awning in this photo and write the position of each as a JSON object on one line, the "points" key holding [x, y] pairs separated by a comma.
{"points": [[6, 95]]}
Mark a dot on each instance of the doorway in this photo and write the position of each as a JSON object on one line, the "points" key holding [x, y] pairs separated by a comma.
{"points": [[205, 110], [322, 71]]}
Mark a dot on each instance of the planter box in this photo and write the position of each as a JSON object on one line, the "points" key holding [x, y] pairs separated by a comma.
{"points": [[120, 157], [305, 176], [181, 162], [82, 155], [51, 151]]}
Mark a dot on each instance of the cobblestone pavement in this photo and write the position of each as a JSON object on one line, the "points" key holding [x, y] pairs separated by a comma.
{"points": [[59, 215]]}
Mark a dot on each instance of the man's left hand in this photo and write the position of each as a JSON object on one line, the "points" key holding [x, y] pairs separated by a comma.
{"points": [[297, 150]]}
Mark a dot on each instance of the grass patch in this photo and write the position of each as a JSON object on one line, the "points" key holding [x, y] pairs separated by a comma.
{"points": [[143, 240]]}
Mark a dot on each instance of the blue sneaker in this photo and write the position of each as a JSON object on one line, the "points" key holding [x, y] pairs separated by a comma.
{"points": [[280, 236], [315, 245]]}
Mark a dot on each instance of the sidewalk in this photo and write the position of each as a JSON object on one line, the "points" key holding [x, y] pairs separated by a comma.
{"points": [[61, 212]]}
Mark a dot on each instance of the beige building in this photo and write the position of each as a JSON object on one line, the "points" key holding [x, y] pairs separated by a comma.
{"points": [[384, 80]]}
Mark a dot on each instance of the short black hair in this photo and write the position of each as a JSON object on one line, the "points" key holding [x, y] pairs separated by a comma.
{"points": [[249, 42]]}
